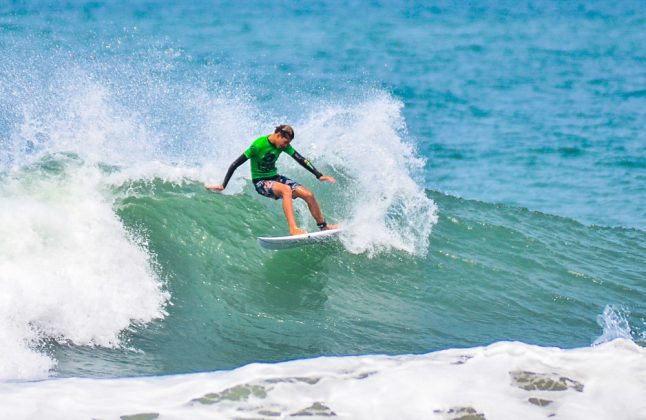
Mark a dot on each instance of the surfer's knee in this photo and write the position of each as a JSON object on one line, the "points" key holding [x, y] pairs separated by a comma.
{"points": [[281, 190], [304, 193]]}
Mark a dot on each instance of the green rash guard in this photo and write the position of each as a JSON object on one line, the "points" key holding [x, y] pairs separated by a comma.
{"points": [[263, 156]]}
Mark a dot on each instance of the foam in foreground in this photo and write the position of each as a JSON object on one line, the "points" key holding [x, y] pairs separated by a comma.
{"points": [[502, 381]]}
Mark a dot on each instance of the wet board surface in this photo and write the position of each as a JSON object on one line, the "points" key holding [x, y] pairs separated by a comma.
{"points": [[292, 241]]}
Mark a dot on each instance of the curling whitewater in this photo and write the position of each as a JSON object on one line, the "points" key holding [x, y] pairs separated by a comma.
{"points": [[69, 270], [500, 381]]}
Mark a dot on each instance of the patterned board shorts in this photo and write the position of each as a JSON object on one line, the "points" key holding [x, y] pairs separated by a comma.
{"points": [[264, 186]]}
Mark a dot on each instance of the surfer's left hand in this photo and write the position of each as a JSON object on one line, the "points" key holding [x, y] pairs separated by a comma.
{"points": [[328, 179], [215, 188]]}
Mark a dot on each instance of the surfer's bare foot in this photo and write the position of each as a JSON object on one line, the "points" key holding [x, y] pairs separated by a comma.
{"points": [[330, 227], [296, 231]]}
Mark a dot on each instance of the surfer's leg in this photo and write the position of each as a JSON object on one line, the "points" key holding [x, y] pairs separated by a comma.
{"points": [[315, 209], [308, 196], [285, 192]]}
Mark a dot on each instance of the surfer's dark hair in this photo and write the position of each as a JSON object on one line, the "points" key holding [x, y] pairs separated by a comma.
{"points": [[285, 131]]}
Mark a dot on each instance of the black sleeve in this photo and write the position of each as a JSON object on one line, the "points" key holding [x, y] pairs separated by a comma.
{"points": [[306, 164], [242, 159]]}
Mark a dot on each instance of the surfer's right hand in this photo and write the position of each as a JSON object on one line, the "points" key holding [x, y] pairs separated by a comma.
{"points": [[215, 188], [327, 178]]}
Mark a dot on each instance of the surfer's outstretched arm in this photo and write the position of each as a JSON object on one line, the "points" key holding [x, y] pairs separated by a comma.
{"points": [[305, 163], [236, 163]]}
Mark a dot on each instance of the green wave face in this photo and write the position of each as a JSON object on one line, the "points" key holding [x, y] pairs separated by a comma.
{"points": [[491, 273]]}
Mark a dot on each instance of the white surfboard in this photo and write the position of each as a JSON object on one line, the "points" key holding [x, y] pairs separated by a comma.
{"points": [[292, 241]]}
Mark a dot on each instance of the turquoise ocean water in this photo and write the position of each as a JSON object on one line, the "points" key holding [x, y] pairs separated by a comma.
{"points": [[490, 157]]}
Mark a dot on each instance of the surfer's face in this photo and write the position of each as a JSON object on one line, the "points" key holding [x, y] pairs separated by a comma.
{"points": [[280, 141]]}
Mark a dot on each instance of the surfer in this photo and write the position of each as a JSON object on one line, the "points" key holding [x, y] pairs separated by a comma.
{"points": [[264, 152]]}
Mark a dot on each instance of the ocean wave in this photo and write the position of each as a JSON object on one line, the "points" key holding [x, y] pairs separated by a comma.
{"points": [[80, 160]]}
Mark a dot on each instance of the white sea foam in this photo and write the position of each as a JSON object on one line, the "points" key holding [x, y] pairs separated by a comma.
{"points": [[501, 381], [69, 270]]}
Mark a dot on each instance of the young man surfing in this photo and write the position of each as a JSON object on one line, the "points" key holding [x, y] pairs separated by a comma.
{"points": [[264, 153]]}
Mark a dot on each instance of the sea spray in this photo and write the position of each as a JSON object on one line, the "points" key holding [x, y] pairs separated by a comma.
{"points": [[365, 142], [615, 323]]}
